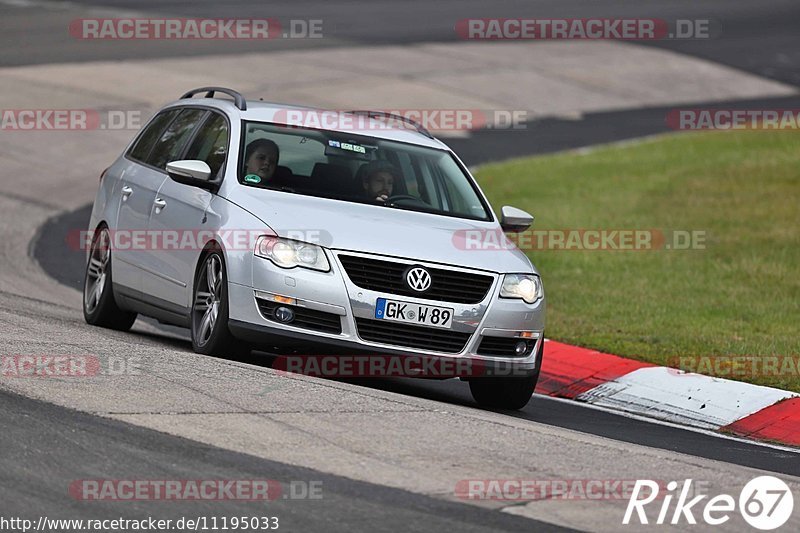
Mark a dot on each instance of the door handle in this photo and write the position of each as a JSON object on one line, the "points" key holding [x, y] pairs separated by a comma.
{"points": [[126, 191], [159, 204]]}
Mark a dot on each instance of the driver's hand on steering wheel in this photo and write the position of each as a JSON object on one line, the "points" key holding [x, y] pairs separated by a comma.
{"points": [[382, 197]]}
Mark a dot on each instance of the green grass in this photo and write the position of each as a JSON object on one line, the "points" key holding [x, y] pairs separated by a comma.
{"points": [[738, 296]]}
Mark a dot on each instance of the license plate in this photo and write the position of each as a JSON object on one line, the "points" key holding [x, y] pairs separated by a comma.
{"points": [[421, 315]]}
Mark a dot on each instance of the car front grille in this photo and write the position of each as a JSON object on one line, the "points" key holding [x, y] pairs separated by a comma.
{"points": [[436, 339], [504, 346], [303, 317], [388, 276]]}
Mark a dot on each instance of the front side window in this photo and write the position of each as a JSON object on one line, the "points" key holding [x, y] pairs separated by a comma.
{"points": [[172, 141], [353, 168], [211, 143]]}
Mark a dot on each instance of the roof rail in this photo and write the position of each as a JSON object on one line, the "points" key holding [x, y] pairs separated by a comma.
{"points": [[238, 99], [401, 118]]}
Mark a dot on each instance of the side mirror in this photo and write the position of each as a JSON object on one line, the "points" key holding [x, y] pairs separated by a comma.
{"points": [[191, 172], [515, 220]]}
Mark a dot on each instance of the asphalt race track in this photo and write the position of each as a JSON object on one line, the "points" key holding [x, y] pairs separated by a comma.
{"points": [[95, 447], [756, 39], [387, 453]]}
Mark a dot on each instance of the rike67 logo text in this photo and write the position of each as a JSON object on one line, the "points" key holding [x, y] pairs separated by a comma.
{"points": [[765, 503]]}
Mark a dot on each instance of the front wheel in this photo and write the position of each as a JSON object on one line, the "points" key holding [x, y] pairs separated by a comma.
{"points": [[210, 333], [99, 306], [503, 393], [507, 392]]}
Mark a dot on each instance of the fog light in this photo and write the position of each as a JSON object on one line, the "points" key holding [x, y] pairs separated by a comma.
{"points": [[284, 314], [521, 348]]}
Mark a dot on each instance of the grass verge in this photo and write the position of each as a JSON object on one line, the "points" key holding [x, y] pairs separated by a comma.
{"points": [[732, 308]]}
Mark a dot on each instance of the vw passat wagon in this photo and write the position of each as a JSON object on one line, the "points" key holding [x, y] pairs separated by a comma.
{"points": [[259, 224]]}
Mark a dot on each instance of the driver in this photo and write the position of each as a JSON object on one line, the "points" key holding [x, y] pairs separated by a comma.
{"points": [[379, 179]]}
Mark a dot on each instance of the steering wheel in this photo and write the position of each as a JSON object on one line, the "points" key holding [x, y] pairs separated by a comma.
{"points": [[396, 197]]}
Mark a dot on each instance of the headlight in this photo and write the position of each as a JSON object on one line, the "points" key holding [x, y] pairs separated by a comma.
{"points": [[289, 254], [525, 286]]}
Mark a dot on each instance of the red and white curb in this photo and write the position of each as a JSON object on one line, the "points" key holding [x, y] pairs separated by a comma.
{"points": [[671, 395]]}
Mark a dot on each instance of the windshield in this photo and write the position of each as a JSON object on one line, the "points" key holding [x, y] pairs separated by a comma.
{"points": [[354, 168]]}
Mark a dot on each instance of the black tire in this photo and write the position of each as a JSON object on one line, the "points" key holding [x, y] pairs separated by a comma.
{"points": [[99, 306], [214, 338], [506, 392]]}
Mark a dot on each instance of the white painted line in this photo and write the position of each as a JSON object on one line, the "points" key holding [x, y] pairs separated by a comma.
{"points": [[642, 418], [692, 399]]}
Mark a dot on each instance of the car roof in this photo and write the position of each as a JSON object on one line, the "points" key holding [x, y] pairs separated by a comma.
{"points": [[316, 118]]}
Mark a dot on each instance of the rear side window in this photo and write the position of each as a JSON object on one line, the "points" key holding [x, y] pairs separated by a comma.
{"points": [[211, 143], [172, 141], [150, 135]]}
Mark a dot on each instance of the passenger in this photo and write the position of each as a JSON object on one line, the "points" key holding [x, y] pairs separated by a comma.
{"points": [[261, 160], [378, 181]]}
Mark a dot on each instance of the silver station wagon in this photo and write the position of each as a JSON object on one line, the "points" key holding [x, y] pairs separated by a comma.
{"points": [[297, 230]]}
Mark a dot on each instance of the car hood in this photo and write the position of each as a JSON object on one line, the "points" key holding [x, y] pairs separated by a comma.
{"points": [[380, 230]]}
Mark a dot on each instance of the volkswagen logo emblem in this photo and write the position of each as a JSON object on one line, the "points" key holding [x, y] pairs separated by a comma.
{"points": [[418, 279]]}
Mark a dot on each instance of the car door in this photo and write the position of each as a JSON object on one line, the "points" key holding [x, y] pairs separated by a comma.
{"points": [[169, 145], [181, 210], [138, 184]]}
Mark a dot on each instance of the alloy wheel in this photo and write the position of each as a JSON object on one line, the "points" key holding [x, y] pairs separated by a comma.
{"points": [[97, 271], [207, 299]]}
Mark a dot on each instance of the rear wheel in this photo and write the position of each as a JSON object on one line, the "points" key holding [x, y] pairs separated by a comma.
{"points": [[210, 333], [99, 306]]}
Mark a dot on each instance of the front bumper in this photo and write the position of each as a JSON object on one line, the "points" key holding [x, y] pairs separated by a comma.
{"points": [[321, 296]]}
